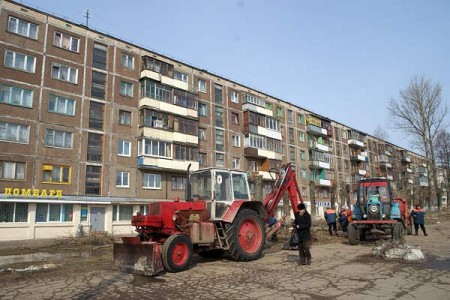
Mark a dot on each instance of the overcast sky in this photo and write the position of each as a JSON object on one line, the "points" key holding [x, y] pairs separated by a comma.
{"points": [[341, 59]]}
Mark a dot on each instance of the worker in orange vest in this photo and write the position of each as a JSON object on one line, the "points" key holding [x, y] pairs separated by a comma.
{"points": [[330, 216], [348, 212]]}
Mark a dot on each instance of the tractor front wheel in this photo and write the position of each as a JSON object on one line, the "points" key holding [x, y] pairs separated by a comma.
{"points": [[398, 232], [353, 234], [246, 236], [177, 253]]}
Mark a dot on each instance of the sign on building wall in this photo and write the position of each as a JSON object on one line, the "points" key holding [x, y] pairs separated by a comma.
{"points": [[16, 192]]}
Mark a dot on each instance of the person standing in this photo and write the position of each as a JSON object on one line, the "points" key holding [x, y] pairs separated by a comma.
{"points": [[302, 224], [343, 220], [419, 219], [330, 216]]}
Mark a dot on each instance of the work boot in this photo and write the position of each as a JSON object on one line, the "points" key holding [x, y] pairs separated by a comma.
{"points": [[302, 261], [425, 234], [308, 261]]}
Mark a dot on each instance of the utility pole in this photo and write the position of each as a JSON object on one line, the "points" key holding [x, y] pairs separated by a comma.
{"points": [[87, 18]]}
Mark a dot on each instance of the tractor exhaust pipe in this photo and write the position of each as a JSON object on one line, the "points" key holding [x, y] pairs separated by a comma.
{"points": [[188, 186]]}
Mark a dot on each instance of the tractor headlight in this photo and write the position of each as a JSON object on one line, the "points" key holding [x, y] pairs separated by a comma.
{"points": [[383, 216], [174, 217], [364, 216]]}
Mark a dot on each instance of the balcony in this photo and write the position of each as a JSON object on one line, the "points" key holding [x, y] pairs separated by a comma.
{"points": [[410, 181], [164, 164], [422, 171], [317, 164], [356, 144], [312, 129], [168, 107], [162, 134], [317, 146], [362, 172], [262, 153], [423, 181], [265, 132], [390, 177], [256, 108], [386, 165], [406, 159], [322, 182]]}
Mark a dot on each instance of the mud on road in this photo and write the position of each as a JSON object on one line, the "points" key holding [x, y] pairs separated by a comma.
{"points": [[78, 269]]}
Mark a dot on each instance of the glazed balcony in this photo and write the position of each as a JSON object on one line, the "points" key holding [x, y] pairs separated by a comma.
{"points": [[356, 144], [313, 129], [316, 146], [158, 163], [162, 72]]}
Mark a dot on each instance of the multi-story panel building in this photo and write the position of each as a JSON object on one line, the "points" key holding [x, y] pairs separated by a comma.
{"points": [[92, 128]]}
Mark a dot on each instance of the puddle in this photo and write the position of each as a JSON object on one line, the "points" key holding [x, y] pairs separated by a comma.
{"points": [[41, 256], [437, 264]]}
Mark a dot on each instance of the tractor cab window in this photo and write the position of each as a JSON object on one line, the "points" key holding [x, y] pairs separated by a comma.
{"points": [[222, 186], [376, 191], [201, 183], [240, 188]]}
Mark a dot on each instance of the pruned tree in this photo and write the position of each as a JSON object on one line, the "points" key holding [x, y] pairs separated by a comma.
{"points": [[420, 113]]}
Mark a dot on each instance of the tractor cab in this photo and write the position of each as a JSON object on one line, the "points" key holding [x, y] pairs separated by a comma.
{"points": [[374, 199], [218, 188]]}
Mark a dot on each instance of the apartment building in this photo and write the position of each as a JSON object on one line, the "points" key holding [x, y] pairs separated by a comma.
{"points": [[92, 128]]}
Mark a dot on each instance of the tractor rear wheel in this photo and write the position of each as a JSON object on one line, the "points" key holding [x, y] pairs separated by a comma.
{"points": [[177, 253], [398, 232], [246, 236], [353, 234]]}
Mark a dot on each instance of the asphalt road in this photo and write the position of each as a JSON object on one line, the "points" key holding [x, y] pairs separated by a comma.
{"points": [[338, 271]]}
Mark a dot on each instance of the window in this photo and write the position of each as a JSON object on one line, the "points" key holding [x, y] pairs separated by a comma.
{"points": [[180, 76], [46, 212], [98, 86], [220, 160], [301, 136], [234, 97], [202, 110], [67, 42], [56, 138], [127, 61], [93, 180], [16, 96], [253, 166], [301, 119], [201, 86], [291, 136], [235, 163], [219, 140], [122, 179], [234, 118], [178, 183], [219, 116], [84, 213], [20, 61], [143, 209], [280, 112], [124, 118], [304, 192], [96, 110], [64, 73], [155, 119], [202, 159], [126, 89], [302, 155], [124, 148], [272, 124], [183, 152], [122, 212], [185, 126], [344, 134], [12, 170], [303, 173], [218, 94], [202, 134], [236, 140], [56, 174], [22, 27], [292, 154], [99, 56], [154, 90], [14, 132], [61, 105], [11, 212], [151, 181], [94, 147], [155, 148], [290, 116]]}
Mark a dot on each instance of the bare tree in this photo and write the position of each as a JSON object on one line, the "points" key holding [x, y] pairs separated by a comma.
{"points": [[381, 133], [420, 113], [442, 145]]}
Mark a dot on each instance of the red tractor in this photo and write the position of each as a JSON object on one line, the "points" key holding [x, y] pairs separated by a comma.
{"points": [[218, 217], [377, 209]]}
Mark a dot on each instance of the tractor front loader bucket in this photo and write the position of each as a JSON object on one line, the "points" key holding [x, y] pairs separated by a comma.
{"points": [[134, 256]]}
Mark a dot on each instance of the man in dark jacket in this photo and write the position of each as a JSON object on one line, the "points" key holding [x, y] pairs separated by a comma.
{"points": [[330, 216], [302, 224], [419, 219], [343, 220]]}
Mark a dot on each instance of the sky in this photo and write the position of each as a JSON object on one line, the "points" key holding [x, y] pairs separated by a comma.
{"points": [[344, 60]]}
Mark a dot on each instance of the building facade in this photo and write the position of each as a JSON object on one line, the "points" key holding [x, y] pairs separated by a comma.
{"points": [[92, 128]]}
